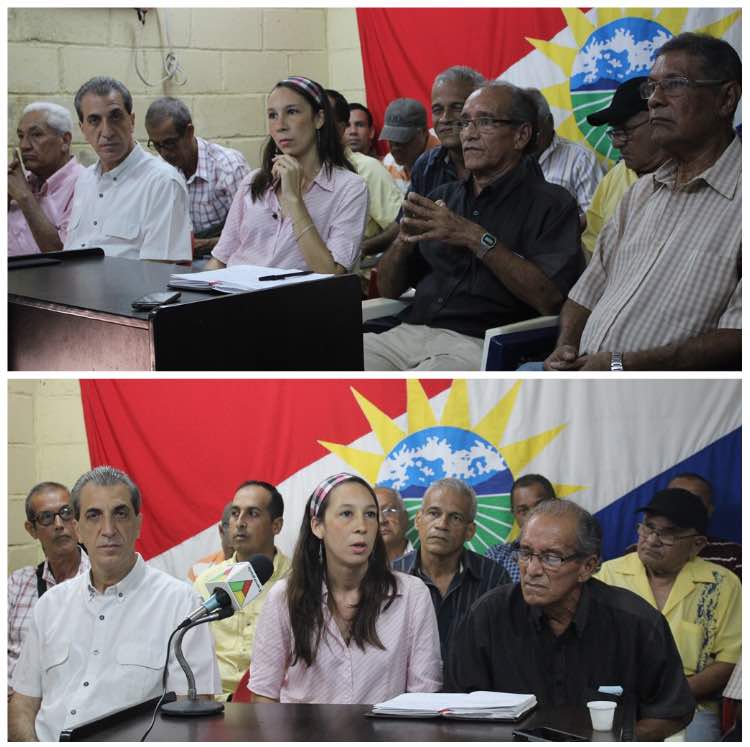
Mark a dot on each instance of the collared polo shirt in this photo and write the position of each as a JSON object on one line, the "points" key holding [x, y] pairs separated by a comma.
{"points": [[475, 576], [137, 210], [384, 196], [667, 267], [536, 220], [615, 638], [55, 197], [89, 653], [258, 233], [703, 609], [234, 636]]}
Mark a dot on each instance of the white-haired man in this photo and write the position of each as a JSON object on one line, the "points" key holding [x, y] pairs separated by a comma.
{"points": [[41, 183]]}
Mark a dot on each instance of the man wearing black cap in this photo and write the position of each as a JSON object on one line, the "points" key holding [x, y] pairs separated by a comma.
{"points": [[700, 600], [406, 131], [630, 132]]}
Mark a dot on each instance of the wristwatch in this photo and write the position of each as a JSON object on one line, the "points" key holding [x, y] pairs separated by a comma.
{"points": [[616, 362], [488, 243]]}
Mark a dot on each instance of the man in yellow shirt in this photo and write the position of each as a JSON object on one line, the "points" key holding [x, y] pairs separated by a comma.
{"points": [[700, 600], [255, 518]]}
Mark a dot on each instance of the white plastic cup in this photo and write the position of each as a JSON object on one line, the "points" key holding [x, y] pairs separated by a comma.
{"points": [[602, 714]]}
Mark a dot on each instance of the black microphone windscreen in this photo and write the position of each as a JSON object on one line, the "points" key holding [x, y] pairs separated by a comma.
{"points": [[262, 566]]}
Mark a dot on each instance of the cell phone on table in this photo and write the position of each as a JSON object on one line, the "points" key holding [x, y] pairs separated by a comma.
{"points": [[545, 734], [152, 300]]}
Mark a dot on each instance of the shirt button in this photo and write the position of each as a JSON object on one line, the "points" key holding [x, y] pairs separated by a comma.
{"points": [[101, 195], [101, 617], [121, 595], [95, 223], [85, 684], [476, 212], [440, 299], [114, 178], [72, 711], [83, 244], [95, 652]]}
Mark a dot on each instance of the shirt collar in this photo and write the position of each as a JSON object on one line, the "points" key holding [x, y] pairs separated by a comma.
{"points": [[548, 150], [580, 618], [464, 562], [126, 586], [133, 159], [325, 179], [58, 179]]}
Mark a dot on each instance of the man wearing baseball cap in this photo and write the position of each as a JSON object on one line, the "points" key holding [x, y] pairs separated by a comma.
{"points": [[630, 132], [406, 131], [700, 600]]}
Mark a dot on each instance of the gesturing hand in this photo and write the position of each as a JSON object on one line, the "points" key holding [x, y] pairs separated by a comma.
{"points": [[17, 184], [427, 220], [287, 172]]}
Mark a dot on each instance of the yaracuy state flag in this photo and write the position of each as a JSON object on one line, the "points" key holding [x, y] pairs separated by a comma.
{"points": [[608, 445], [577, 58]]}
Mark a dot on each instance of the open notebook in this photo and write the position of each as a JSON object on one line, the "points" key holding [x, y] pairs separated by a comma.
{"points": [[241, 278], [477, 705]]}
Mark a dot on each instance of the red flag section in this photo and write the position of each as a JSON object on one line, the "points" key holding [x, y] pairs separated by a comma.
{"points": [[188, 444]]}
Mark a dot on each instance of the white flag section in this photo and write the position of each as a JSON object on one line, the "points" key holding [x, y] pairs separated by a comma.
{"points": [[596, 440]]}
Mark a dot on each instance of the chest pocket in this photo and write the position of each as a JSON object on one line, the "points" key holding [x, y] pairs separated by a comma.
{"points": [[140, 666]]}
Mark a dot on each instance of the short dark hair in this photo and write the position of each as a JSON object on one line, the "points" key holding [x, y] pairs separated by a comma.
{"points": [[105, 476], [526, 481], [719, 59], [276, 504], [340, 106], [101, 85], [40, 487], [168, 106], [361, 107]]}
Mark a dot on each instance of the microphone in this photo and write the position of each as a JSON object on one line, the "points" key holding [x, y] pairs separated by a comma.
{"points": [[232, 588]]}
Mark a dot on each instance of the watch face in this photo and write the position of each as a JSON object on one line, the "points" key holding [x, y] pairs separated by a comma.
{"points": [[488, 240]]}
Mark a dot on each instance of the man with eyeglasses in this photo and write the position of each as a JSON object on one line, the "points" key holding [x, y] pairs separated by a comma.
{"points": [[700, 600], [629, 130], [212, 172], [664, 287], [527, 492], [498, 246], [567, 638], [394, 521], [128, 203], [50, 520], [455, 576]]}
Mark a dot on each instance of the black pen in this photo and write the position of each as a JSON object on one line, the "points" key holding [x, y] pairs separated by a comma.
{"points": [[288, 275]]}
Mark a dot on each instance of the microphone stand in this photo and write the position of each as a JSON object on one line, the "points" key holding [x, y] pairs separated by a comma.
{"points": [[192, 706]]}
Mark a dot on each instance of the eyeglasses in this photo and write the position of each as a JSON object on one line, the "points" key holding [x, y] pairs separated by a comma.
{"points": [[47, 518], [169, 143], [674, 87], [454, 519], [388, 513], [550, 560], [484, 124], [624, 133], [666, 537]]}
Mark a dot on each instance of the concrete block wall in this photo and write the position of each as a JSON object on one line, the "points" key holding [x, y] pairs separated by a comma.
{"points": [[230, 58], [46, 441]]}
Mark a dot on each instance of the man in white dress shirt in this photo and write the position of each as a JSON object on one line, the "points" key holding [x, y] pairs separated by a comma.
{"points": [[97, 643], [128, 203]]}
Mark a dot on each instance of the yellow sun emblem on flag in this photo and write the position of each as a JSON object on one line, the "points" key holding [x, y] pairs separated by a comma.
{"points": [[451, 446], [620, 46]]}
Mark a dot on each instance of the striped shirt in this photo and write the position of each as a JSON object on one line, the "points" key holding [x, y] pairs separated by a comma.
{"points": [[573, 166], [257, 233], [212, 187], [503, 554], [475, 576], [22, 597], [667, 265], [341, 673]]}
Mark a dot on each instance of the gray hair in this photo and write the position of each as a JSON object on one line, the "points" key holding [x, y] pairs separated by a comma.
{"points": [[457, 486], [542, 105], [461, 74], [105, 476], [168, 106], [56, 117], [394, 493], [40, 487], [588, 530], [522, 109], [102, 85]]}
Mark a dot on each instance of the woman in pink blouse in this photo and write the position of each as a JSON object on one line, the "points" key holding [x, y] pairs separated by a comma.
{"points": [[305, 208], [344, 628]]}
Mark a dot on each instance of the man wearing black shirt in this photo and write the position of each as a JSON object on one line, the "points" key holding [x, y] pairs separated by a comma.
{"points": [[562, 635], [455, 576], [497, 247]]}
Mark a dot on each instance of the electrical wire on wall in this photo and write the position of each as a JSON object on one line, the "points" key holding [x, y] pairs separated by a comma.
{"points": [[171, 68]]}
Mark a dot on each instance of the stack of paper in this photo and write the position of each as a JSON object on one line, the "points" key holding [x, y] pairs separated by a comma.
{"points": [[477, 705], [240, 278]]}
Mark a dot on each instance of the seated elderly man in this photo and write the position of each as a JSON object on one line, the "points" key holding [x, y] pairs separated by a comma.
{"points": [[630, 132], [700, 600], [98, 642], [497, 247], [128, 203], [213, 172], [664, 287], [394, 521], [39, 202], [562, 635], [564, 162]]}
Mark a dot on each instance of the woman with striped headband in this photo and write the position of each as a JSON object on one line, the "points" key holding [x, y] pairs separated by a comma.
{"points": [[343, 627], [304, 208]]}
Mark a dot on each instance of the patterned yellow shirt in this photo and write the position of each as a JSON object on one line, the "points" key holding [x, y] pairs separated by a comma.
{"points": [[234, 636]]}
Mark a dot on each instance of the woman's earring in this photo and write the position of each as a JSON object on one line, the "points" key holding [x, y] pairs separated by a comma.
{"points": [[320, 552]]}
